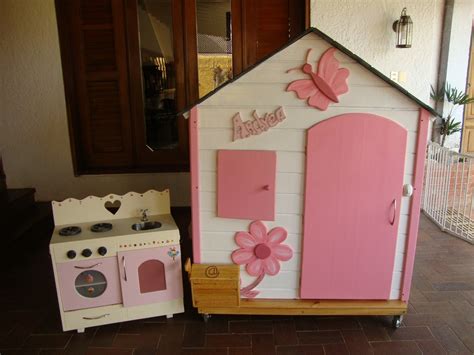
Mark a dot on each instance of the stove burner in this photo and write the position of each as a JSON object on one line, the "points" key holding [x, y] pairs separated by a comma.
{"points": [[69, 231], [101, 227]]}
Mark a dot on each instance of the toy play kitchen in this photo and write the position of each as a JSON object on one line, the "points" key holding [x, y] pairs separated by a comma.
{"points": [[116, 258]]}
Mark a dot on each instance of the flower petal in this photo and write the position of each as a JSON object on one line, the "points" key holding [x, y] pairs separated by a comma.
{"points": [[271, 266], [243, 256], [245, 240], [282, 252], [258, 231], [276, 236], [255, 267]]}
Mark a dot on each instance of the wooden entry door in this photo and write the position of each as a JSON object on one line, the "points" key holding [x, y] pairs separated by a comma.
{"points": [[468, 122], [354, 182]]}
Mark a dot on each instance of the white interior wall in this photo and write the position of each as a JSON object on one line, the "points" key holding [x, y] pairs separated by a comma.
{"points": [[34, 138], [365, 27]]}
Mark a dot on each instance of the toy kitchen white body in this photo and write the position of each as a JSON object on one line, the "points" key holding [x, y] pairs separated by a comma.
{"points": [[113, 267]]}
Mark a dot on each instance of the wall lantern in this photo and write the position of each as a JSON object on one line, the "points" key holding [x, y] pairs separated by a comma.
{"points": [[404, 29]]}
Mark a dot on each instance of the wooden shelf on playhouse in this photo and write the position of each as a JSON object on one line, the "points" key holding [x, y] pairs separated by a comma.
{"points": [[215, 290], [310, 307]]}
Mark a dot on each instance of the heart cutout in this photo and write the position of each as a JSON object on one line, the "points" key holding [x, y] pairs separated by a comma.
{"points": [[112, 206]]}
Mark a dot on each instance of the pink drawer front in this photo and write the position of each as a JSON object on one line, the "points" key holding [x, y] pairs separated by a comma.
{"points": [[89, 283]]}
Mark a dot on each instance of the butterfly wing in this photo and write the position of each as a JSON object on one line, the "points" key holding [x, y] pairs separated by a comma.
{"points": [[339, 83], [304, 88], [331, 80], [319, 100], [328, 65], [324, 86]]}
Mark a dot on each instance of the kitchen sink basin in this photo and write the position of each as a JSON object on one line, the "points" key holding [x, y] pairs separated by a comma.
{"points": [[143, 226]]}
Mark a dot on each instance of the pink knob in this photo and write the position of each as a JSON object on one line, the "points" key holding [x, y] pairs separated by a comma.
{"points": [[266, 187]]}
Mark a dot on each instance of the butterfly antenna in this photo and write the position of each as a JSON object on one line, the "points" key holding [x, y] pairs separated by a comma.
{"points": [[307, 55], [307, 61], [293, 69]]}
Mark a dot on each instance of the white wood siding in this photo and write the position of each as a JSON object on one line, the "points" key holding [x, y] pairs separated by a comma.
{"points": [[263, 89]]}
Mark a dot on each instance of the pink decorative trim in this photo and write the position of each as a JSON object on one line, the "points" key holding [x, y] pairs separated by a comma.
{"points": [[195, 206], [261, 252], [258, 125], [324, 86], [414, 220]]}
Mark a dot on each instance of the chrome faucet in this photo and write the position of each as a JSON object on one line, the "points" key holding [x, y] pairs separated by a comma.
{"points": [[144, 213]]}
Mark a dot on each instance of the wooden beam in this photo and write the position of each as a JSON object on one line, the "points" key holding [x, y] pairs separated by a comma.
{"points": [[311, 307]]}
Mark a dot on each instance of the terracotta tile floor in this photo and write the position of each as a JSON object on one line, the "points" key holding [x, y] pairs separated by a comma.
{"points": [[440, 319]]}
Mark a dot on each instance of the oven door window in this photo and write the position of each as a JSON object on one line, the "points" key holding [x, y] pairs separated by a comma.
{"points": [[90, 283], [151, 276]]}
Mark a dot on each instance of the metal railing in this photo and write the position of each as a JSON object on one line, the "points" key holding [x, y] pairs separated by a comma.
{"points": [[449, 190]]}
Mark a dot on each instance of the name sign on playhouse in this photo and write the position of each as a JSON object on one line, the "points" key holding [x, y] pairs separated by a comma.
{"points": [[257, 125]]}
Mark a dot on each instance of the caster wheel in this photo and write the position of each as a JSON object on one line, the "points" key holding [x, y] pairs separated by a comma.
{"points": [[206, 317], [397, 322]]}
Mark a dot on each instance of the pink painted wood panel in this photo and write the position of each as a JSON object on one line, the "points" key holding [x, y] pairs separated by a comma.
{"points": [[246, 184], [68, 273], [131, 263], [354, 172], [325, 85], [413, 223], [195, 205]]}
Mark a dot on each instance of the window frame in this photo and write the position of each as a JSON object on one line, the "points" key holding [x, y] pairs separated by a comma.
{"points": [[184, 20]]}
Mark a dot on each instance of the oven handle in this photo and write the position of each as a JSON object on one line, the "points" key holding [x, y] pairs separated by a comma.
{"points": [[98, 317], [124, 269], [87, 267]]}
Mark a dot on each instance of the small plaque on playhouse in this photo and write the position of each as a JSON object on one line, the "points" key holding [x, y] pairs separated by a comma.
{"points": [[258, 124]]}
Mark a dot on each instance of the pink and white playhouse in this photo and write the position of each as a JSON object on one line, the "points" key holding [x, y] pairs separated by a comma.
{"points": [[306, 174]]}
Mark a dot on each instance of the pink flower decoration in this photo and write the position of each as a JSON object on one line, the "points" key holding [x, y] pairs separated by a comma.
{"points": [[260, 251]]}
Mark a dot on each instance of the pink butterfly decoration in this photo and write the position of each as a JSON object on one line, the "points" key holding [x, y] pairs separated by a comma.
{"points": [[324, 86]]}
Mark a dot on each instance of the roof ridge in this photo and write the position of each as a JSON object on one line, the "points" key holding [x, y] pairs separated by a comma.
{"points": [[335, 44]]}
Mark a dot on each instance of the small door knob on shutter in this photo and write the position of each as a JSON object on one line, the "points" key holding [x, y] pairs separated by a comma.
{"points": [[266, 187]]}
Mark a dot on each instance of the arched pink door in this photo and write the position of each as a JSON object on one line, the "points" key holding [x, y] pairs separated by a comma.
{"points": [[354, 182]]}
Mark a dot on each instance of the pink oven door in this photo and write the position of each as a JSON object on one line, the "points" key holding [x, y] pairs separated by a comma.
{"points": [[89, 283], [150, 275]]}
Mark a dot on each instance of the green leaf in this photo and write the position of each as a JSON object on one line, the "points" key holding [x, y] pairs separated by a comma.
{"points": [[447, 92]]}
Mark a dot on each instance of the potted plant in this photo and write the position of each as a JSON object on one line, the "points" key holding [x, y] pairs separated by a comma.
{"points": [[455, 98]]}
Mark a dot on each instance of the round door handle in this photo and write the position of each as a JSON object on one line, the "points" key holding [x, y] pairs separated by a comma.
{"points": [[266, 187]]}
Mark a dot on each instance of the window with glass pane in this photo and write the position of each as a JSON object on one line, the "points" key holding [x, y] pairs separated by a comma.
{"points": [[158, 73], [90, 283], [214, 43]]}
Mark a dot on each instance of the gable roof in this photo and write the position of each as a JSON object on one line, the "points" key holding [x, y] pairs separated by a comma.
{"points": [[335, 44]]}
